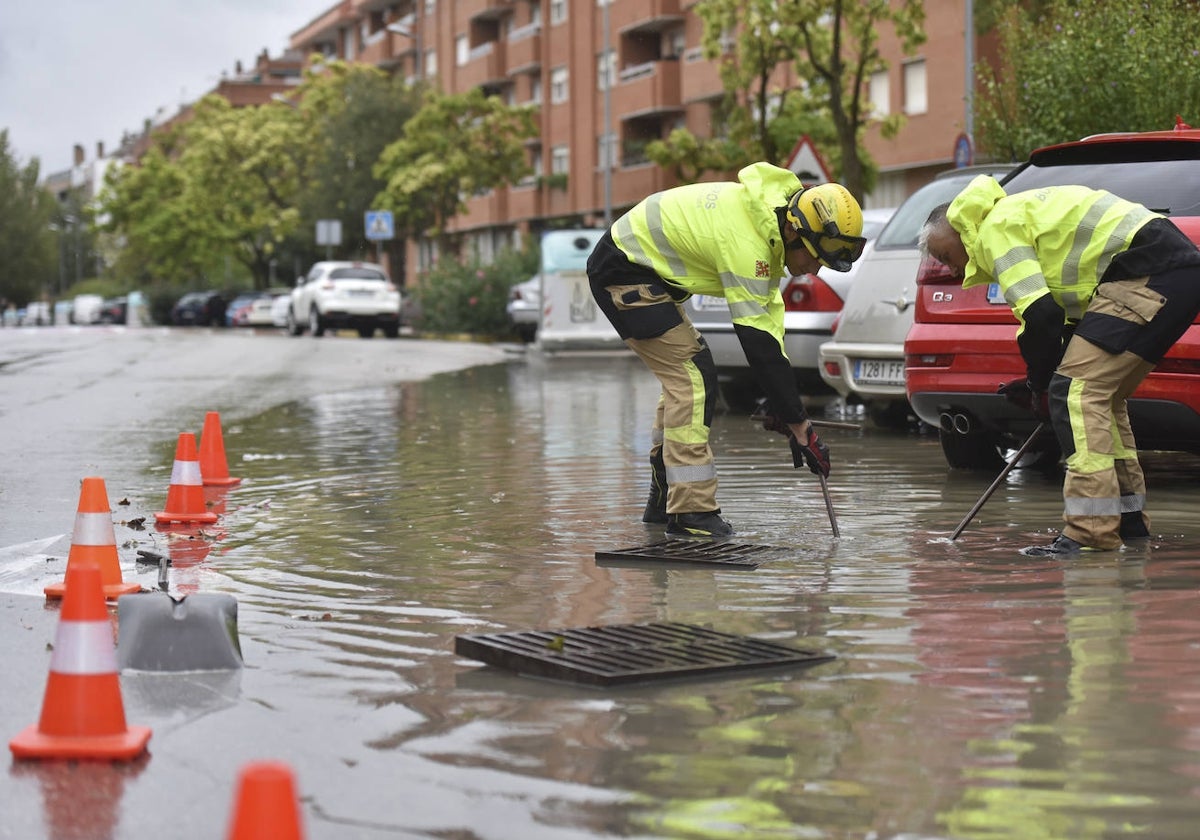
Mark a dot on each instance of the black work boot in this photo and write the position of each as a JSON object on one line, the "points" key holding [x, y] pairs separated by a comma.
{"points": [[656, 505], [1063, 546], [709, 525], [1133, 526]]}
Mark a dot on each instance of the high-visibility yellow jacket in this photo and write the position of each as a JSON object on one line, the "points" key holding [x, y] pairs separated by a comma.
{"points": [[722, 238], [1055, 240]]}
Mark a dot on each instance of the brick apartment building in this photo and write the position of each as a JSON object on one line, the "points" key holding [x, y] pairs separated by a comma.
{"points": [[608, 78]]}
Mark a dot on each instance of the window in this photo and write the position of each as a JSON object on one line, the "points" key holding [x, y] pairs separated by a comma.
{"points": [[606, 151], [558, 11], [560, 160], [535, 88], [462, 50], [430, 63], [605, 70], [879, 95], [559, 91], [430, 7], [915, 99]]}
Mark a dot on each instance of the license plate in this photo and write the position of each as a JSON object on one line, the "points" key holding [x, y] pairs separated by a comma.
{"points": [[362, 293], [707, 303], [994, 295], [879, 372]]}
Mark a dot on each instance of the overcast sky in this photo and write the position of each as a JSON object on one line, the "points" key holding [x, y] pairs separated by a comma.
{"points": [[87, 71]]}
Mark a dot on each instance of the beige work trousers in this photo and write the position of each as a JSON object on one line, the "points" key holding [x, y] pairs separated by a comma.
{"points": [[1104, 478], [679, 420]]}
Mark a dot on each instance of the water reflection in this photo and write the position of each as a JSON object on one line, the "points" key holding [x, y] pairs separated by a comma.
{"points": [[976, 693]]}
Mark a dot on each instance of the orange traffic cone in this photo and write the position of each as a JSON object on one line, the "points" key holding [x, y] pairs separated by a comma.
{"points": [[213, 467], [266, 804], [95, 542], [185, 496], [82, 713]]}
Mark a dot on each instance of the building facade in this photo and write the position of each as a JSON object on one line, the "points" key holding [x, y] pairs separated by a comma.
{"points": [[609, 76]]}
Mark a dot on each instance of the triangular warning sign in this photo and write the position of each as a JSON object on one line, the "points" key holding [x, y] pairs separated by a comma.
{"points": [[807, 163]]}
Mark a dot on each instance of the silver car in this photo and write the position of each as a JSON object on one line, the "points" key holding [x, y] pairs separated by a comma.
{"points": [[811, 303], [524, 307], [864, 360]]}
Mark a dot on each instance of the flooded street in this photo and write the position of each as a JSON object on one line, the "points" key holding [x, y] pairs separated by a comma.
{"points": [[975, 693]]}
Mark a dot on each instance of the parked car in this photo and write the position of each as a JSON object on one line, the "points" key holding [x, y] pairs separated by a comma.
{"points": [[113, 310], [237, 307], [199, 309], [524, 307], [280, 306], [864, 361], [85, 309], [962, 344], [37, 314], [355, 295], [811, 303], [260, 311]]}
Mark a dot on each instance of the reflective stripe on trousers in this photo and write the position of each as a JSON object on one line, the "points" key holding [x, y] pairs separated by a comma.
{"points": [[1104, 480], [683, 364]]}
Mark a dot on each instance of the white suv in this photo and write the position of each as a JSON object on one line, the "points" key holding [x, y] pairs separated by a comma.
{"points": [[355, 295]]}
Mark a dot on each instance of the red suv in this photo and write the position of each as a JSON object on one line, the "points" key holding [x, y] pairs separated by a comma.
{"points": [[962, 344]]}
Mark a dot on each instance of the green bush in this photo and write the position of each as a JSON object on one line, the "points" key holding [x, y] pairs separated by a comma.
{"points": [[470, 298]]}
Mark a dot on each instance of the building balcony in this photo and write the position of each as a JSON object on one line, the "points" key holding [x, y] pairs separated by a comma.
{"points": [[484, 67], [630, 184], [644, 15], [485, 210], [472, 9], [648, 88], [524, 49], [324, 27], [524, 202], [700, 80]]}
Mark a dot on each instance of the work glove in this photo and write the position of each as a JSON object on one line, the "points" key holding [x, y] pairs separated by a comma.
{"points": [[770, 421], [812, 452], [1021, 394]]}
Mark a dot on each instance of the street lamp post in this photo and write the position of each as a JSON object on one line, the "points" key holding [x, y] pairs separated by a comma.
{"points": [[413, 35]]}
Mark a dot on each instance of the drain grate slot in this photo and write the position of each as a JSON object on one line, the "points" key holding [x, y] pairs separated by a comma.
{"points": [[629, 653], [737, 555]]}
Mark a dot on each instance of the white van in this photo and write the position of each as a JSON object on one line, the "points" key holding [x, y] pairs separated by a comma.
{"points": [[570, 318]]}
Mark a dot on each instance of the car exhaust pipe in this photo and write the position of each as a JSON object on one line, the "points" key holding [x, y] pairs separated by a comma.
{"points": [[960, 423]]}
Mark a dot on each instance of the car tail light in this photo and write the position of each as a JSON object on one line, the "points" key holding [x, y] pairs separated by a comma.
{"points": [[809, 293], [933, 272], [833, 369], [929, 360]]}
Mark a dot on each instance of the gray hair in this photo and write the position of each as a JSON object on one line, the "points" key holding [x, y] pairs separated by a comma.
{"points": [[935, 220]]}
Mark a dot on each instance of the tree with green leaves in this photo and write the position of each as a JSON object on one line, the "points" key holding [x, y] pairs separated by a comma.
{"points": [[223, 184], [455, 146], [349, 113], [1071, 68], [27, 242], [833, 46]]}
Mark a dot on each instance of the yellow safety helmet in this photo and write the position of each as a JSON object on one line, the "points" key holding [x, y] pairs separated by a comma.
{"points": [[830, 224]]}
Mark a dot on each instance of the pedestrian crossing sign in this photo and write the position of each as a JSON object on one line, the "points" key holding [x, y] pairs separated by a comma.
{"points": [[379, 225]]}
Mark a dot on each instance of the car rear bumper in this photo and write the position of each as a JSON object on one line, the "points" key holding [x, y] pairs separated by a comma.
{"points": [[887, 382]]}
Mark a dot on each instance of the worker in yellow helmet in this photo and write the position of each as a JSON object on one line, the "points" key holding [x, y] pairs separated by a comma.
{"points": [[1102, 287], [731, 239]]}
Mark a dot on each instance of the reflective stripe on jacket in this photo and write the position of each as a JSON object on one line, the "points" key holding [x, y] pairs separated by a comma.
{"points": [[719, 238], [1056, 240]]}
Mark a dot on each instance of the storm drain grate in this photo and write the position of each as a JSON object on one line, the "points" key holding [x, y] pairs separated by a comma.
{"points": [[704, 552], [629, 653]]}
